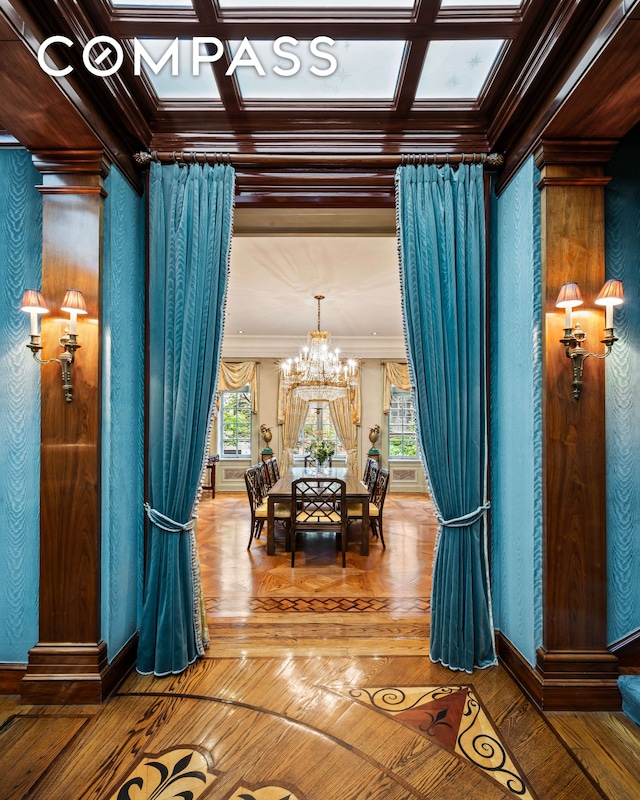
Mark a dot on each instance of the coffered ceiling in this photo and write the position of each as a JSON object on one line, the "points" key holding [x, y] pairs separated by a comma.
{"points": [[361, 83], [358, 79]]}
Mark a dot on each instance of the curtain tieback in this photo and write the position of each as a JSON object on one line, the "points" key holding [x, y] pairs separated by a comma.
{"points": [[467, 519], [166, 523]]}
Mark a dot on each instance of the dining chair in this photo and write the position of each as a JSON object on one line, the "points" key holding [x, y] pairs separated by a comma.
{"points": [[276, 468], [376, 504], [370, 473], [320, 505], [270, 470], [262, 476], [259, 505]]}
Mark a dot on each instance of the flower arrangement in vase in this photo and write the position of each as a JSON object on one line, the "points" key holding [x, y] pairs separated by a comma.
{"points": [[321, 450]]}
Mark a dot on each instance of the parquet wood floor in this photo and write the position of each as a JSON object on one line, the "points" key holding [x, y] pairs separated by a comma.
{"points": [[378, 605], [316, 685]]}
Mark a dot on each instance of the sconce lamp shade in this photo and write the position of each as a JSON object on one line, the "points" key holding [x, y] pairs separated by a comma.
{"points": [[33, 302], [569, 296], [611, 294], [74, 302]]}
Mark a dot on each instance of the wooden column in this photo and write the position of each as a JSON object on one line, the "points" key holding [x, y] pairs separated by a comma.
{"points": [[574, 668], [68, 662]]}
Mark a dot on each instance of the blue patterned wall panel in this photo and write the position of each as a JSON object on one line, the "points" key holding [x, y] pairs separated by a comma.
{"points": [[20, 269], [622, 244], [516, 412], [123, 412]]}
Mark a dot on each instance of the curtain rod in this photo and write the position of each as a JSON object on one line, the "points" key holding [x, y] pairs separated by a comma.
{"points": [[253, 160]]}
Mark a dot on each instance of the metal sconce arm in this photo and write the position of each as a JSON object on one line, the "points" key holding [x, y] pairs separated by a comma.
{"points": [[69, 345], [573, 340]]}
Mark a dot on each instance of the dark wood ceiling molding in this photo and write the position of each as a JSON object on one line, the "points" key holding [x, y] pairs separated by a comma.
{"points": [[556, 39], [526, 122], [61, 113]]}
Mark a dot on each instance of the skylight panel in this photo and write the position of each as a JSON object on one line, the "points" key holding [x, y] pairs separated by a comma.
{"points": [[457, 69], [480, 3], [363, 70], [184, 85], [152, 3], [316, 4]]}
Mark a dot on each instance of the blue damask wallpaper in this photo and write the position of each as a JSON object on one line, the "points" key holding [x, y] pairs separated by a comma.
{"points": [[622, 243], [123, 304], [20, 269], [515, 400]]}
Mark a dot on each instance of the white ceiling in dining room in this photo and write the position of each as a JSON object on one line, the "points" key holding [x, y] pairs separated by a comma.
{"points": [[273, 281]]}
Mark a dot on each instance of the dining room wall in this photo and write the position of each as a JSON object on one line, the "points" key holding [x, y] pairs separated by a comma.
{"points": [[405, 475]]}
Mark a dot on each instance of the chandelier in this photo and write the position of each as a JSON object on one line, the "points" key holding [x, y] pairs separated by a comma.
{"points": [[317, 373]]}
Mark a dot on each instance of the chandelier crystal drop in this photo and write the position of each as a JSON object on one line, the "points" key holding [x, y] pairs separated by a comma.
{"points": [[318, 373]]}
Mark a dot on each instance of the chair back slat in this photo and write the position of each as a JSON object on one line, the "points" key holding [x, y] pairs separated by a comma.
{"points": [[380, 489], [370, 475], [270, 471], [260, 478], [319, 500], [276, 468], [255, 486]]}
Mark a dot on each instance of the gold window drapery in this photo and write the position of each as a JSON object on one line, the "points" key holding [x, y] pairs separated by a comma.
{"points": [[395, 374], [236, 375], [294, 414], [342, 417]]}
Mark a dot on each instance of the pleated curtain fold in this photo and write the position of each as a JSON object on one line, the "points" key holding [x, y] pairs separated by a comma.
{"points": [[394, 374], [441, 233], [294, 412], [342, 416], [190, 227], [234, 376]]}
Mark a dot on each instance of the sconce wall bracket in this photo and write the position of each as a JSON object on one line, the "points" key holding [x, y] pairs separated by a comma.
{"points": [[69, 345], [573, 340]]}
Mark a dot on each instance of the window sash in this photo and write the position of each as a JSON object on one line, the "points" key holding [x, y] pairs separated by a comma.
{"points": [[402, 439], [236, 423]]}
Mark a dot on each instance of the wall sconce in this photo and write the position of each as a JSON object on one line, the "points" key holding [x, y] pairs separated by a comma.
{"points": [[610, 295], [33, 303]]}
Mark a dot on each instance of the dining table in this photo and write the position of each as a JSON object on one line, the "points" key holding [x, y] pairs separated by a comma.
{"points": [[356, 491]]}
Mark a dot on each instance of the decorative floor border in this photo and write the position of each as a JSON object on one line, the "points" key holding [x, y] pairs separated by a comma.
{"points": [[325, 605]]}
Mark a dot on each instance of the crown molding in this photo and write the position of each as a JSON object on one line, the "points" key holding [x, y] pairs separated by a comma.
{"points": [[284, 346]]}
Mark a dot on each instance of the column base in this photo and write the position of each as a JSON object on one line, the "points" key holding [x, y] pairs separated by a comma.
{"points": [[565, 680], [73, 674]]}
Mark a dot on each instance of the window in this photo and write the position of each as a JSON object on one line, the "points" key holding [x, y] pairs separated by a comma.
{"points": [[318, 419], [403, 441], [235, 423]]}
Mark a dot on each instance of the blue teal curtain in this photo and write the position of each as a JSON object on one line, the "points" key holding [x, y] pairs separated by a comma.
{"points": [[190, 226], [441, 237]]}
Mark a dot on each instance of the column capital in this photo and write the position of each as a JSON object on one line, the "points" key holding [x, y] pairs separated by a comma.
{"points": [[574, 152], [82, 164]]}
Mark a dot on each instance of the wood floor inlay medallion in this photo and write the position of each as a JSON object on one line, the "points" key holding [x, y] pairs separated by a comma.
{"points": [[453, 717]]}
